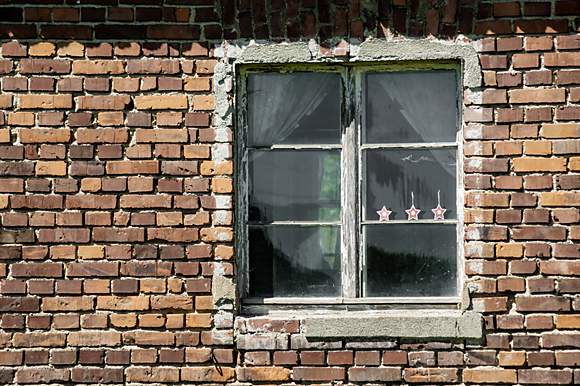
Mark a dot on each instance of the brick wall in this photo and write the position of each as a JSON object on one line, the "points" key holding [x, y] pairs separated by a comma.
{"points": [[117, 189]]}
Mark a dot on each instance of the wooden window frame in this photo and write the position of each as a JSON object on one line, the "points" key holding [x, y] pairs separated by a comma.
{"points": [[352, 245]]}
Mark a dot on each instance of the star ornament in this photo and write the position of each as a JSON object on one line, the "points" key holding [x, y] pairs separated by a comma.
{"points": [[413, 212], [384, 214], [439, 212]]}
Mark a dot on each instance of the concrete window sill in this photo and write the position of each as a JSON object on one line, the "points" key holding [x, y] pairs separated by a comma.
{"points": [[399, 324]]}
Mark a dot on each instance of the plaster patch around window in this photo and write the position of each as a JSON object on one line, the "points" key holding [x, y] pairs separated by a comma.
{"points": [[401, 324], [371, 50], [412, 323]]}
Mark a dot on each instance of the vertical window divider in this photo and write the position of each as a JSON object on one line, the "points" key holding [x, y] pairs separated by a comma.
{"points": [[349, 207], [242, 247]]}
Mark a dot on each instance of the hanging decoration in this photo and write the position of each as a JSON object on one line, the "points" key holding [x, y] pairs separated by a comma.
{"points": [[439, 211], [413, 212], [384, 214]]}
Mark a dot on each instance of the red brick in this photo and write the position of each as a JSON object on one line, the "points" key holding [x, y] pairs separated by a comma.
{"points": [[45, 66], [318, 373]]}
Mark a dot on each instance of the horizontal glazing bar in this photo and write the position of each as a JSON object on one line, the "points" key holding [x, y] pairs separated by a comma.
{"points": [[375, 222], [403, 300], [321, 301], [426, 145], [300, 223], [295, 147]]}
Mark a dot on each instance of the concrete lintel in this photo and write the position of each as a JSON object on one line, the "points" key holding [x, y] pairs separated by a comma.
{"points": [[377, 49], [276, 53], [397, 324]]}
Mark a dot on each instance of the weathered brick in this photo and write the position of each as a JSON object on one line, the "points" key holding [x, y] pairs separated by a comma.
{"points": [[104, 102], [119, 235], [132, 167], [45, 66], [161, 102], [153, 66], [85, 303], [123, 303], [100, 67], [94, 338], [39, 101], [39, 339]]}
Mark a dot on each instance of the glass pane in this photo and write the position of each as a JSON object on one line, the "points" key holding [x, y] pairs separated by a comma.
{"points": [[296, 108], [394, 177], [410, 106], [411, 260], [294, 185], [294, 261]]}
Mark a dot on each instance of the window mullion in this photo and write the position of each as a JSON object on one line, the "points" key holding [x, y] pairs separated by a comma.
{"points": [[349, 189]]}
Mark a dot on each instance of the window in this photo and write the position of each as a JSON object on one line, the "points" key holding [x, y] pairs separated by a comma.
{"points": [[349, 184]]}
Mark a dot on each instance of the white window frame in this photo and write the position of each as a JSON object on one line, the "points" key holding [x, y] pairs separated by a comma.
{"points": [[352, 237]]}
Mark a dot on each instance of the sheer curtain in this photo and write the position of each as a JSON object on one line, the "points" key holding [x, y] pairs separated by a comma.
{"points": [[421, 109], [278, 102]]}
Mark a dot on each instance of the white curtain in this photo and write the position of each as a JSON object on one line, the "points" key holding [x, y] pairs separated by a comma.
{"points": [[423, 110], [278, 102]]}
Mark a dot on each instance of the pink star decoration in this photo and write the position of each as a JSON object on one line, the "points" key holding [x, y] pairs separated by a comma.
{"points": [[439, 211], [384, 214], [413, 212]]}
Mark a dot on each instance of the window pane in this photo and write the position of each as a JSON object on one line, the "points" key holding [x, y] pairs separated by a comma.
{"points": [[410, 260], [296, 108], [294, 261], [294, 185], [390, 176], [410, 106]]}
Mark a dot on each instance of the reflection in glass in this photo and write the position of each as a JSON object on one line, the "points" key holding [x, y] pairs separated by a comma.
{"points": [[295, 108], [290, 185], [294, 261], [391, 175], [411, 260], [410, 107]]}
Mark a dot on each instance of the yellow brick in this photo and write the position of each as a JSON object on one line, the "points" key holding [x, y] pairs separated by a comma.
{"points": [[222, 185], [204, 303], [91, 184], [161, 102], [210, 168], [51, 168], [111, 119], [152, 286], [3, 201], [196, 151], [479, 216], [167, 219], [5, 136], [561, 130], [124, 320], [538, 147], [559, 199], [567, 322], [509, 250], [91, 251], [197, 84], [46, 101], [21, 119], [512, 358], [203, 102], [42, 49], [71, 49], [522, 165], [198, 320], [5, 101], [98, 67]]}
